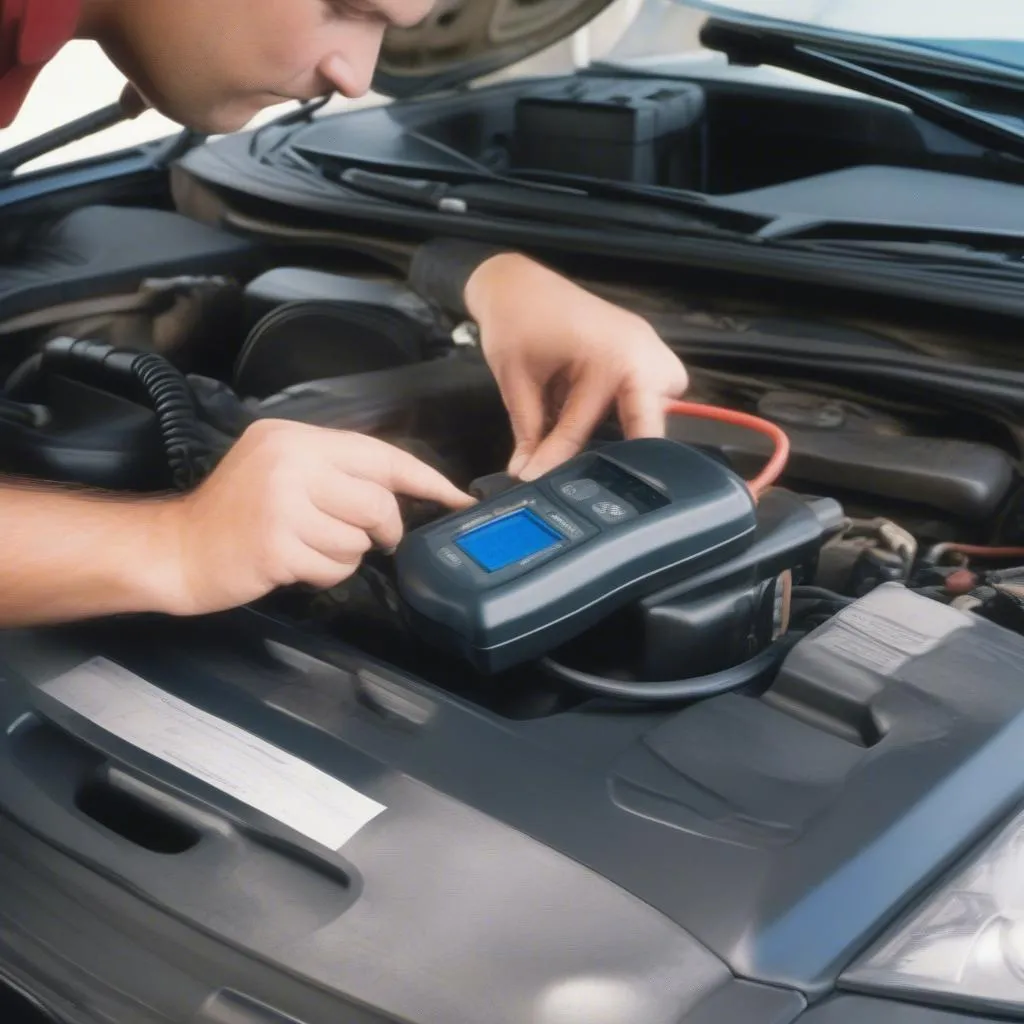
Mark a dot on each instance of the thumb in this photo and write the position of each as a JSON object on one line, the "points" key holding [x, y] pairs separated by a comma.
{"points": [[525, 403], [586, 405]]}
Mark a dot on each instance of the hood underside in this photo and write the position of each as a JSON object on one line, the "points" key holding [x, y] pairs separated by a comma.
{"points": [[461, 40]]}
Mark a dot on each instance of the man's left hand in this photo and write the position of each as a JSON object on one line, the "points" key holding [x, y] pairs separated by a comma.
{"points": [[563, 357]]}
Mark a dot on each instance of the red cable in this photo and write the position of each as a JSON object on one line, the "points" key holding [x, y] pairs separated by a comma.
{"points": [[775, 466], [977, 551]]}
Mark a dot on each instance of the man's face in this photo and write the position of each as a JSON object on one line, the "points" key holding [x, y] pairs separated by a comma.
{"points": [[214, 64]]}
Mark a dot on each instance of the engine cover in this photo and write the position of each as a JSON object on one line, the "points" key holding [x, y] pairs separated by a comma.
{"points": [[606, 867]]}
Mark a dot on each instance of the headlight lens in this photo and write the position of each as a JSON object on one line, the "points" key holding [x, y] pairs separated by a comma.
{"points": [[966, 941]]}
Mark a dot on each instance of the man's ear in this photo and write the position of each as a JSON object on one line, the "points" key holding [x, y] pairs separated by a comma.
{"points": [[132, 102]]}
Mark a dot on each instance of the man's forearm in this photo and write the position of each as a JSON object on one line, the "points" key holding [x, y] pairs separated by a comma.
{"points": [[70, 555], [442, 268]]}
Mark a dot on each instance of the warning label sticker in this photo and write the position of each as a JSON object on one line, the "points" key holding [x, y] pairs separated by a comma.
{"points": [[254, 772], [890, 627]]}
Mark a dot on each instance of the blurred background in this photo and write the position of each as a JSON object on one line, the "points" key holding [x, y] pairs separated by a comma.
{"points": [[81, 79]]}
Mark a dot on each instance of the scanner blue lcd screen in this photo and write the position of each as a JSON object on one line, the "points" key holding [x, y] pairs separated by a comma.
{"points": [[508, 540]]}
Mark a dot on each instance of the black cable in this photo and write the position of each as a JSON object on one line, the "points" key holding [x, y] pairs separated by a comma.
{"points": [[16, 412], [163, 386], [172, 401], [698, 688]]}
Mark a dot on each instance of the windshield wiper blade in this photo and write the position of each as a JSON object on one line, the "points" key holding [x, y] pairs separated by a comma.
{"points": [[696, 204], [750, 44], [990, 256], [574, 207]]}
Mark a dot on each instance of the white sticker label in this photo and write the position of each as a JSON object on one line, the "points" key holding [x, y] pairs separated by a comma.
{"points": [[247, 768], [890, 627]]}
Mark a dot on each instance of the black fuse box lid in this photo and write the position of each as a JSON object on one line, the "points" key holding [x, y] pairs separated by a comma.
{"points": [[612, 110], [606, 127]]}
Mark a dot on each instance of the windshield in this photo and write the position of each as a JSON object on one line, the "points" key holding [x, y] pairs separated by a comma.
{"points": [[989, 30]]}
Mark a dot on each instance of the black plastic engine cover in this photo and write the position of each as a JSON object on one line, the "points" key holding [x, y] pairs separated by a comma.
{"points": [[518, 867]]}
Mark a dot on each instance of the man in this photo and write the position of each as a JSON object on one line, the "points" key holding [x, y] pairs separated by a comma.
{"points": [[290, 503]]}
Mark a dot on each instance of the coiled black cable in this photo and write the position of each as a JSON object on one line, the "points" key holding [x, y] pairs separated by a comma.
{"points": [[188, 454], [155, 381]]}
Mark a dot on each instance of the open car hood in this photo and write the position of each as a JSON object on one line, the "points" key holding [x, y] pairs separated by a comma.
{"points": [[989, 33], [462, 40]]}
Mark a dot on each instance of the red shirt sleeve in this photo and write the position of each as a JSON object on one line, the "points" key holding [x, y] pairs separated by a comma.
{"points": [[31, 34]]}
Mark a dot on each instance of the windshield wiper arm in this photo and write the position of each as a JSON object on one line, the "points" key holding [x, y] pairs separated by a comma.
{"points": [[768, 44], [573, 207], [696, 204]]}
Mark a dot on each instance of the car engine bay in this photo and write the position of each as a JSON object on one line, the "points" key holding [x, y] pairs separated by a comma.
{"points": [[716, 797], [937, 506]]}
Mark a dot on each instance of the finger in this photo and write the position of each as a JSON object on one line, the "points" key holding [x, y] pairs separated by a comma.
{"points": [[586, 405], [320, 571], [337, 541], [525, 403], [642, 413], [360, 503], [397, 471]]}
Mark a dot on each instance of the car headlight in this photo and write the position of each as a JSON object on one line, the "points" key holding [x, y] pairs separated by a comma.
{"points": [[965, 943]]}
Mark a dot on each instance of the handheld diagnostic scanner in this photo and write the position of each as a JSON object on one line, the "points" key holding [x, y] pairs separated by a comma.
{"points": [[518, 576]]}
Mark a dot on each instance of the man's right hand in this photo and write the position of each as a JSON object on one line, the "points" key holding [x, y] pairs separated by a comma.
{"points": [[290, 503]]}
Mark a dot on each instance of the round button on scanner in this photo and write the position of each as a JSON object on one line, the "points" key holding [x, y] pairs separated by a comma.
{"points": [[613, 511], [580, 490], [450, 557]]}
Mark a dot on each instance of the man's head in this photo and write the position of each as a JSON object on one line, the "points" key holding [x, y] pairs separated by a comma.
{"points": [[214, 64]]}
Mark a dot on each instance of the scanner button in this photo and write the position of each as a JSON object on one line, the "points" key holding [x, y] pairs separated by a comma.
{"points": [[580, 490], [613, 511], [450, 557]]}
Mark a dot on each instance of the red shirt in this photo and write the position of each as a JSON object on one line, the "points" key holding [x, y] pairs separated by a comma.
{"points": [[31, 33]]}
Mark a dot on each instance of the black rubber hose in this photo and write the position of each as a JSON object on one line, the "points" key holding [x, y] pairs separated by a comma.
{"points": [[677, 690]]}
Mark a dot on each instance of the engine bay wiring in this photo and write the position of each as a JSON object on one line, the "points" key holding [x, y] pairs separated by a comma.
{"points": [[775, 466]]}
